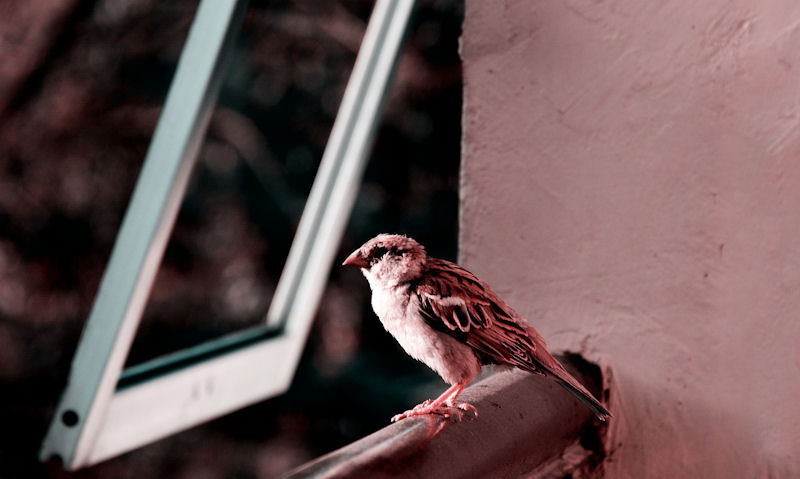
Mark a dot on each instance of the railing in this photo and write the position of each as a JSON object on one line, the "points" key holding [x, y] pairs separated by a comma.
{"points": [[527, 427]]}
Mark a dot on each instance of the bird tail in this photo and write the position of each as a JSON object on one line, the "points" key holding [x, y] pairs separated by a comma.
{"points": [[583, 396], [553, 368]]}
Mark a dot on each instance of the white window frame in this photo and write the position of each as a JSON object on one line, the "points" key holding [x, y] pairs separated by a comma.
{"points": [[105, 411]]}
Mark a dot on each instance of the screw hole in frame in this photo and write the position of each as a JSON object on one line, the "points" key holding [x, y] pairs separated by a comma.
{"points": [[69, 418]]}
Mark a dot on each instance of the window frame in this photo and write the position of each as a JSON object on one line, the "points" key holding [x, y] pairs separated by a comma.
{"points": [[105, 410]]}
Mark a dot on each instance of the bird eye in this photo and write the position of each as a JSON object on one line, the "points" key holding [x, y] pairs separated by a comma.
{"points": [[378, 253]]}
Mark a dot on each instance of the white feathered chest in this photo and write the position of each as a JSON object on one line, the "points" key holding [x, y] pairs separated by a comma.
{"points": [[398, 310]]}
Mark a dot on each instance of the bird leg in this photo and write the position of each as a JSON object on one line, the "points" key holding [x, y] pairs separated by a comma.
{"points": [[445, 405]]}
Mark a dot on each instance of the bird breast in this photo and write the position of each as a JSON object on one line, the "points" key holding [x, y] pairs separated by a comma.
{"points": [[398, 311]]}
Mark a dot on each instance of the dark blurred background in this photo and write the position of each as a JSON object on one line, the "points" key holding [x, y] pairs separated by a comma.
{"points": [[81, 87]]}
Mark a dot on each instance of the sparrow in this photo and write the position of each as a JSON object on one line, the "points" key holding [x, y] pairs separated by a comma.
{"points": [[447, 318]]}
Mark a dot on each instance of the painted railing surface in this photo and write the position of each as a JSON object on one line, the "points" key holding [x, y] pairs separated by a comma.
{"points": [[527, 427]]}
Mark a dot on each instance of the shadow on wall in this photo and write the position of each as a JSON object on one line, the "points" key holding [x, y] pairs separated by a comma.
{"points": [[724, 430]]}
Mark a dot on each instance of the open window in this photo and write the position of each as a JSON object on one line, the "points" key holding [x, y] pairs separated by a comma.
{"points": [[107, 410]]}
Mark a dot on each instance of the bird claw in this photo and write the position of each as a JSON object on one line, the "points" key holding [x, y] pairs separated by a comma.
{"points": [[418, 410], [446, 410], [466, 407], [400, 417]]}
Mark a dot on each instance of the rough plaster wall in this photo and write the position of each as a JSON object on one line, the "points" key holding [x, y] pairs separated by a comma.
{"points": [[631, 183]]}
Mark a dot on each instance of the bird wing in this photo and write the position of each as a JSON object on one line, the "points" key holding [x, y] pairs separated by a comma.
{"points": [[456, 302]]}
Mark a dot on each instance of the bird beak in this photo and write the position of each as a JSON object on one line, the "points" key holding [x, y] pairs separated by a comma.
{"points": [[356, 259]]}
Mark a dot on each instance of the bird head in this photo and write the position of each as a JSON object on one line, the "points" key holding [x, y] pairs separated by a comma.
{"points": [[389, 259]]}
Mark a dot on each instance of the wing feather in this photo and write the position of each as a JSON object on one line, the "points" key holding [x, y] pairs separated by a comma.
{"points": [[456, 302]]}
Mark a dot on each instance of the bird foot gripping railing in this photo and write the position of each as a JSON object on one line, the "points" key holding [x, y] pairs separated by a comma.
{"points": [[527, 427]]}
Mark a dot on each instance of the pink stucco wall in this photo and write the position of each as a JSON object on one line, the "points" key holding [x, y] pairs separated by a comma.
{"points": [[631, 183]]}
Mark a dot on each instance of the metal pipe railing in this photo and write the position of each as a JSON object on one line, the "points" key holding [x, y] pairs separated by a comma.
{"points": [[526, 424]]}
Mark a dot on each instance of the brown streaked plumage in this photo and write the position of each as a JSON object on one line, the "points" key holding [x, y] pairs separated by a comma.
{"points": [[446, 317]]}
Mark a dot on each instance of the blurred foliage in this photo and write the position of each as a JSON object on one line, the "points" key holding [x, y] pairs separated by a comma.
{"points": [[81, 87]]}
